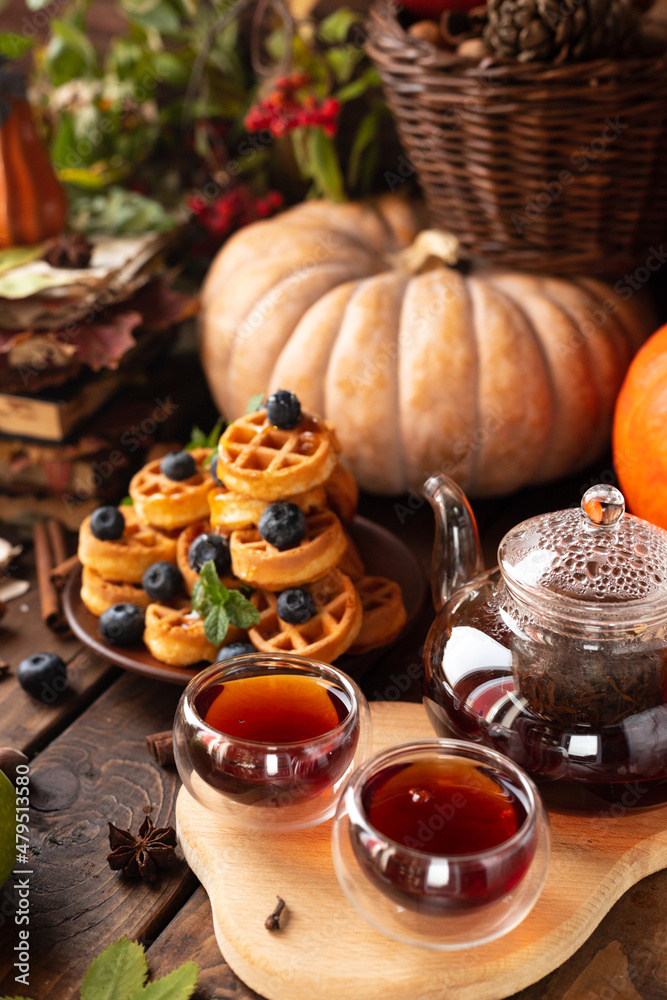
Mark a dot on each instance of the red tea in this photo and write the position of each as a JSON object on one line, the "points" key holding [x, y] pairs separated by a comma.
{"points": [[276, 708], [446, 806], [304, 734]]}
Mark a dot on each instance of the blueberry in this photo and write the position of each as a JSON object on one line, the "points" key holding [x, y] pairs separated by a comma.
{"points": [[122, 624], [295, 606], [43, 675], [162, 581], [283, 525], [107, 524], [234, 649], [214, 468], [178, 465], [207, 547], [283, 409]]}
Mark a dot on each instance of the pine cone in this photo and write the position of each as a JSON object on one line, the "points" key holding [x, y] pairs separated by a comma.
{"points": [[559, 31]]}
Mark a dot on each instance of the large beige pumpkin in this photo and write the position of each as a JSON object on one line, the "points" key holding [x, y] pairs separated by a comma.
{"points": [[498, 378]]}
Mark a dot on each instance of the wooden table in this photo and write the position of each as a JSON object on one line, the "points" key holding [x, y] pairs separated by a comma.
{"points": [[89, 765]]}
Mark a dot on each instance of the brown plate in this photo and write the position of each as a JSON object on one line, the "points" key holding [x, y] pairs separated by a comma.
{"points": [[383, 555]]}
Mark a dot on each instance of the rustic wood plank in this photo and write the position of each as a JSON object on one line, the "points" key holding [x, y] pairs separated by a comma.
{"points": [[190, 937], [24, 722], [97, 770]]}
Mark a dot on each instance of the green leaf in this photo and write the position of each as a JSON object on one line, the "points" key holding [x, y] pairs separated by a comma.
{"points": [[198, 439], [215, 590], [254, 402], [336, 26], [126, 502], [357, 88], [116, 212], [324, 166], [343, 61], [117, 973], [177, 985], [366, 134], [17, 256], [76, 41], [241, 611], [216, 624], [13, 45]]}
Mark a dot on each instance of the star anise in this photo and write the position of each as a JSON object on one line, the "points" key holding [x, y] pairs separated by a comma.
{"points": [[142, 855], [68, 250]]}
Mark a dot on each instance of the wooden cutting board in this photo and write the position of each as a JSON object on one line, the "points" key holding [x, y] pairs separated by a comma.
{"points": [[324, 949]]}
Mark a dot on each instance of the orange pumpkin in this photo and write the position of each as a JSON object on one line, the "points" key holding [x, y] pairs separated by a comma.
{"points": [[640, 432], [33, 206]]}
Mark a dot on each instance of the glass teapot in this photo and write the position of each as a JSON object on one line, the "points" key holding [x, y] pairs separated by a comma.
{"points": [[558, 657]]}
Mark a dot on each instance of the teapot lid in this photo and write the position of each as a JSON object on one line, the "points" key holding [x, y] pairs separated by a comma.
{"points": [[596, 554]]}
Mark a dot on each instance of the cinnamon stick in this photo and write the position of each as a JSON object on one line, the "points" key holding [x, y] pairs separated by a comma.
{"points": [[48, 595], [60, 573], [54, 530], [161, 748]]}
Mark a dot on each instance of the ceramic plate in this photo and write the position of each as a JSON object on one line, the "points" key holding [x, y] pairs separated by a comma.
{"points": [[383, 555]]}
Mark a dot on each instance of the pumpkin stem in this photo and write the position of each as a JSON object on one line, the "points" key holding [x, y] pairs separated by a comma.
{"points": [[429, 244]]}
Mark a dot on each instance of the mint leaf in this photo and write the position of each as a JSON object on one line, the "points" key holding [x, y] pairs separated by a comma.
{"points": [[214, 589], [126, 502], [254, 402], [214, 436], [117, 973], [241, 612], [216, 624], [197, 439], [177, 985]]}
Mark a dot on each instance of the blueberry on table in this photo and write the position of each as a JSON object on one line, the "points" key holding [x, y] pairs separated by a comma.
{"points": [[283, 410], [214, 468], [295, 606], [234, 649], [43, 675], [107, 524], [210, 546], [122, 624], [178, 465], [162, 581], [282, 525]]}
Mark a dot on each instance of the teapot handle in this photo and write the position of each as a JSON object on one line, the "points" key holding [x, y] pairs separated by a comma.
{"points": [[457, 555]]}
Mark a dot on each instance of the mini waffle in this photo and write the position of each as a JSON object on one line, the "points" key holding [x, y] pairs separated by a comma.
{"points": [[99, 594], [175, 635], [351, 564], [260, 460], [328, 633], [384, 613], [231, 511], [342, 493], [126, 559], [166, 503], [185, 540], [257, 562]]}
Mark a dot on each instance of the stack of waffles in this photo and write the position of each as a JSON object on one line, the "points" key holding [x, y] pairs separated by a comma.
{"points": [[257, 465]]}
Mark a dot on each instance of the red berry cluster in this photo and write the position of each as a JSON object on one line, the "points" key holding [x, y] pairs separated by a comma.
{"points": [[232, 210], [286, 107]]}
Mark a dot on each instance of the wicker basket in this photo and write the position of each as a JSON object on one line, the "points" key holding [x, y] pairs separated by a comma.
{"points": [[544, 168]]}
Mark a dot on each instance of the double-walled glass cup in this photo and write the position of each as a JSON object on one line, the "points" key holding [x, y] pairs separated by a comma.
{"points": [[271, 784], [413, 890]]}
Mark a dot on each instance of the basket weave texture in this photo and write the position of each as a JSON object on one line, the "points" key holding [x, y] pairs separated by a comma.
{"points": [[560, 169]]}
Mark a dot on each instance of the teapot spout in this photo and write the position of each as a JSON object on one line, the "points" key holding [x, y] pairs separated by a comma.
{"points": [[457, 556]]}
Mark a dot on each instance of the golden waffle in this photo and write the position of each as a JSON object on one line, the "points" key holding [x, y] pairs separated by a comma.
{"points": [[185, 540], [257, 562], [231, 511], [342, 493], [175, 635], [263, 461], [351, 564], [328, 633], [99, 594], [384, 613], [126, 559], [166, 503]]}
